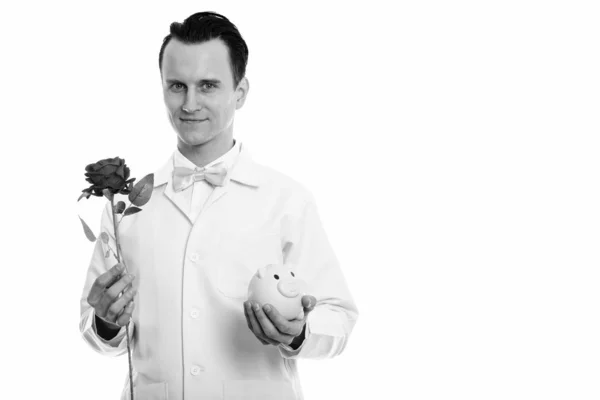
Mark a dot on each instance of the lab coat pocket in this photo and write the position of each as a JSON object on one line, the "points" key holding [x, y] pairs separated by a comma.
{"points": [[147, 391], [240, 255], [258, 390]]}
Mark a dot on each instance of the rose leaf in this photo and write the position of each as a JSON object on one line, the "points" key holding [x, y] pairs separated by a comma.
{"points": [[88, 232], [104, 237], [142, 191], [120, 207], [131, 210], [84, 194]]}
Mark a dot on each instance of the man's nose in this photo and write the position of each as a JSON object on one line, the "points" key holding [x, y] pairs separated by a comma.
{"points": [[191, 102]]}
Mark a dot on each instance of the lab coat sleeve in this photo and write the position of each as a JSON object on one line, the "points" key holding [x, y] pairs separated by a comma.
{"points": [[329, 325], [99, 264]]}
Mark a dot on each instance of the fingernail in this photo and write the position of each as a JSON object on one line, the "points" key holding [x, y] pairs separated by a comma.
{"points": [[256, 307], [267, 308]]}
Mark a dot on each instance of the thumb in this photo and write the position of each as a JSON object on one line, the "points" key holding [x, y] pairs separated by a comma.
{"points": [[309, 303]]}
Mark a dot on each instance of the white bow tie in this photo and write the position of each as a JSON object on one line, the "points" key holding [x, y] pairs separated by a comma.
{"points": [[184, 177]]}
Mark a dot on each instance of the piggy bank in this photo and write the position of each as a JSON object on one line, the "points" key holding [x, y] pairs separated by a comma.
{"points": [[278, 285]]}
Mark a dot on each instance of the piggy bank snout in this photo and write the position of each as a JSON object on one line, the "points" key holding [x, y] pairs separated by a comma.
{"points": [[289, 288]]}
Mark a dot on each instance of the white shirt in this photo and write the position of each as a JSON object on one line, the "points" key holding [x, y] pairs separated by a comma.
{"points": [[192, 199], [189, 334]]}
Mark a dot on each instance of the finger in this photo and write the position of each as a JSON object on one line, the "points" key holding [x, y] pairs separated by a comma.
{"points": [[118, 305], [111, 294], [255, 325], [106, 301], [246, 309], [103, 281], [293, 328], [269, 329], [309, 303], [248, 314], [111, 276], [125, 316]]}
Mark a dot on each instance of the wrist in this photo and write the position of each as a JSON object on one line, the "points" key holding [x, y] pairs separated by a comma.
{"points": [[298, 340], [105, 329], [107, 324]]}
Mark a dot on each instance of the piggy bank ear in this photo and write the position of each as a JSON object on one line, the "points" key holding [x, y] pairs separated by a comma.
{"points": [[262, 272], [289, 269], [289, 265]]}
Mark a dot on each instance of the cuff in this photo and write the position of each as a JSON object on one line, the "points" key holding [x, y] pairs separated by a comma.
{"points": [[114, 347], [114, 342], [288, 352]]}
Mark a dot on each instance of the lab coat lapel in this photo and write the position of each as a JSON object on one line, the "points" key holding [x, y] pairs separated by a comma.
{"points": [[243, 171], [165, 176]]}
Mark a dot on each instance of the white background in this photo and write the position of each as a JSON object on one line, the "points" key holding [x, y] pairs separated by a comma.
{"points": [[452, 148]]}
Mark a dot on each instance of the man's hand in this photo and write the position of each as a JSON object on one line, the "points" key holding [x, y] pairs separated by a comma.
{"points": [[105, 296], [270, 327]]}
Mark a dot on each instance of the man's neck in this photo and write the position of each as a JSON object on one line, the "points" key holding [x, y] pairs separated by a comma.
{"points": [[206, 153]]}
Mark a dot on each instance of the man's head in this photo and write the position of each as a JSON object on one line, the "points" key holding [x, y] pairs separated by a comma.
{"points": [[203, 65]]}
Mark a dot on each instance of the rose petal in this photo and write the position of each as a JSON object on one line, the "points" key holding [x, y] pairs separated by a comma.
{"points": [[121, 171]]}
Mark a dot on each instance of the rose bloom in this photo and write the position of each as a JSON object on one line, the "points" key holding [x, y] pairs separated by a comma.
{"points": [[111, 174]]}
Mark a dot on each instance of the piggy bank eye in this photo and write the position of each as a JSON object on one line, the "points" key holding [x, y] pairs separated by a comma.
{"points": [[276, 276], [292, 274]]}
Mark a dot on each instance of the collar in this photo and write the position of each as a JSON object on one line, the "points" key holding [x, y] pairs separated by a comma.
{"points": [[227, 160], [244, 170]]}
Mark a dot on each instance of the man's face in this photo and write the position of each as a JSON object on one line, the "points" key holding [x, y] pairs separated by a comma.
{"points": [[198, 91]]}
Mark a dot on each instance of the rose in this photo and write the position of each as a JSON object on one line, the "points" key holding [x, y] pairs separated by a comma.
{"points": [[111, 174], [109, 177]]}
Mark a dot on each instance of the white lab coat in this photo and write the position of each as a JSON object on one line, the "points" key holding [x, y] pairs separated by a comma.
{"points": [[189, 333]]}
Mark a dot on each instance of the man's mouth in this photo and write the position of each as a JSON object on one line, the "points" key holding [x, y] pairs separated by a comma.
{"points": [[191, 120]]}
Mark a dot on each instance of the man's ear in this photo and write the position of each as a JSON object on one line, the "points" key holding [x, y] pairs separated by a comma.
{"points": [[241, 92]]}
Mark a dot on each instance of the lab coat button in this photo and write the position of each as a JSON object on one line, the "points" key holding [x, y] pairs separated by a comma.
{"points": [[196, 370], [194, 257], [194, 314]]}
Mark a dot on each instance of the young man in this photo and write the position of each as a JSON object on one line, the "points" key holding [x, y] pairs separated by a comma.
{"points": [[214, 218]]}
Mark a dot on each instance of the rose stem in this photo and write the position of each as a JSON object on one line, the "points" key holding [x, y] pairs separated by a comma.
{"points": [[111, 250], [122, 216], [116, 226]]}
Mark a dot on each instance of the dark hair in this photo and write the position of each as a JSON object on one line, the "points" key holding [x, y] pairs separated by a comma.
{"points": [[204, 26]]}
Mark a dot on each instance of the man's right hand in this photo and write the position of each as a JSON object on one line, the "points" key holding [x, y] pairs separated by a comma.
{"points": [[110, 306]]}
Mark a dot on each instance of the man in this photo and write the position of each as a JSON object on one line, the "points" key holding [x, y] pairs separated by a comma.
{"points": [[215, 216]]}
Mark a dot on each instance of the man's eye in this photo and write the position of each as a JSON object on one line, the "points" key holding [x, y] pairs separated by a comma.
{"points": [[178, 87], [208, 86]]}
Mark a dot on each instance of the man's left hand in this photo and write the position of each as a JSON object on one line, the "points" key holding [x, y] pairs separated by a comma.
{"points": [[270, 327]]}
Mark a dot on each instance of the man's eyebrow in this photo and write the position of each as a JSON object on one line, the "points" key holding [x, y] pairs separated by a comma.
{"points": [[201, 82], [211, 81]]}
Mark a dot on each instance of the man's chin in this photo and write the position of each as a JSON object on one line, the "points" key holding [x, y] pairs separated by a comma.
{"points": [[194, 138]]}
